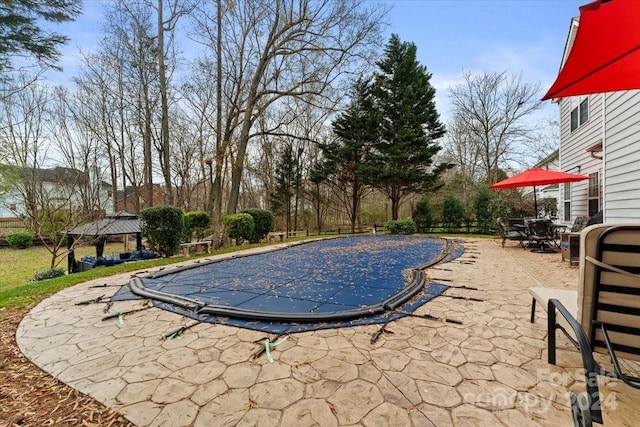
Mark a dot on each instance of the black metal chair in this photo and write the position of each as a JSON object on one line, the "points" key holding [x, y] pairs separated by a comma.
{"points": [[541, 233], [510, 233], [607, 319]]}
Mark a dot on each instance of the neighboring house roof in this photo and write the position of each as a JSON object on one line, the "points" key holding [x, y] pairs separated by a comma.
{"points": [[119, 223], [57, 175], [547, 161], [550, 187], [571, 37]]}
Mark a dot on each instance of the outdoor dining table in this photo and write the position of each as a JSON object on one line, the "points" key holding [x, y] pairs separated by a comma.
{"points": [[525, 229]]}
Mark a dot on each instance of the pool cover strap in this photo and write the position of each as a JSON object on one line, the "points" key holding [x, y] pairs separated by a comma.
{"points": [[268, 345]]}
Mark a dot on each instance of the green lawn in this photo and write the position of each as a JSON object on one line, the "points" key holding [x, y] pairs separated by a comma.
{"points": [[18, 267]]}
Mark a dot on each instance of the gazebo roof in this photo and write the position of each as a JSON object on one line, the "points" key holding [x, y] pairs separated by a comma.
{"points": [[118, 223]]}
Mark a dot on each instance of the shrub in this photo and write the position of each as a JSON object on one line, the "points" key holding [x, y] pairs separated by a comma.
{"points": [[48, 274], [422, 215], [452, 213], [20, 239], [163, 227], [195, 224], [240, 226], [482, 210], [263, 220], [406, 226]]}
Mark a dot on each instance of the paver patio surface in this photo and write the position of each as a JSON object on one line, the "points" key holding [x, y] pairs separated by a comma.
{"points": [[491, 370]]}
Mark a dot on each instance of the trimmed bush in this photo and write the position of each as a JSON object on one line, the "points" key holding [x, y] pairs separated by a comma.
{"points": [[240, 226], [20, 239], [263, 221], [406, 226], [195, 224], [452, 213], [482, 210], [163, 226], [422, 215], [49, 274]]}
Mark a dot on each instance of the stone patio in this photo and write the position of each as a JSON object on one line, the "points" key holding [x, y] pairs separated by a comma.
{"points": [[491, 370]]}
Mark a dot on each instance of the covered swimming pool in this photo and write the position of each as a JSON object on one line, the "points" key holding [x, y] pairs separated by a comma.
{"points": [[311, 285]]}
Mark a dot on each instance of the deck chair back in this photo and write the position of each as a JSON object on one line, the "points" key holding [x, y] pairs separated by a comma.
{"points": [[609, 290]]}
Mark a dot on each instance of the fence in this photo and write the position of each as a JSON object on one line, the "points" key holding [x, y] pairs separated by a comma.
{"points": [[12, 223], [471, 228]]}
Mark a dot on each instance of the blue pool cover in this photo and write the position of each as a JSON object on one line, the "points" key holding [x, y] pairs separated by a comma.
{"points": [[328, 283]]}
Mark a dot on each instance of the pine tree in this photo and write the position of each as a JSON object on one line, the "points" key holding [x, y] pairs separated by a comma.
{"points": [[355, 129], [288, 180], [409, 128], [20, 34]]}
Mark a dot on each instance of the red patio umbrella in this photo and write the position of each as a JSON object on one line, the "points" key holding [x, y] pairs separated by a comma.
{"points": [[535, 177], [605, 56]]}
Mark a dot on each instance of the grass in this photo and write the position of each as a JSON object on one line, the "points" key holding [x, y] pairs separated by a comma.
{"points": [[20, 265]]}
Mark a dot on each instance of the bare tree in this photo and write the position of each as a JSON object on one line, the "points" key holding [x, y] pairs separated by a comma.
{"points": [[78, 150], [25, 137], [119, 90], [50, 195], [186, 163], [459, 149], [199, 103], [166, 25], [272, 50], [493, 109], [107, 111]]}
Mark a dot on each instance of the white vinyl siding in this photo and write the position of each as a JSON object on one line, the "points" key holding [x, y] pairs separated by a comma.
{"points": [[622, 157], [573, 155]]}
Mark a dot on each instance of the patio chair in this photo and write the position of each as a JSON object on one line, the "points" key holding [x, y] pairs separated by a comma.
{"points": [[579, 223], [510, 233], [603, 316], [542, 233]]}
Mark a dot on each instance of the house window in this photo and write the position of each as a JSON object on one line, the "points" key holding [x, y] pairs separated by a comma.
{"points": [[584, 111], [567, 202], [594, 193], [574, 119], [580, 114]]}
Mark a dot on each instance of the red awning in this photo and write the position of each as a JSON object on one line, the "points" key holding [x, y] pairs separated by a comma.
{"points": [[605, 56]]}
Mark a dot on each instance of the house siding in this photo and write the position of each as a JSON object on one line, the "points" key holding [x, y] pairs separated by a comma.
{"points": [[613, 122], [574, 157], [622, 157], [68, 192]]}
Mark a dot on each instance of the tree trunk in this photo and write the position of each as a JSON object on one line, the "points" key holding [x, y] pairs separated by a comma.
{"points": [[395, 203], [318, 208], [219, 158], [164, 132]]}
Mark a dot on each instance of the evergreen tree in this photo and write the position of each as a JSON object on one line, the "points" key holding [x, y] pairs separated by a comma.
{"points": [[482, 209], [422, 215], [20, 33], [409, 128], [343, 158], [452, 213], [288, 180]]}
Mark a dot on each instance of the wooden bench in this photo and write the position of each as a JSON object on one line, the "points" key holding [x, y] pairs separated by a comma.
{"points": [[272, 236], [187, 247]]}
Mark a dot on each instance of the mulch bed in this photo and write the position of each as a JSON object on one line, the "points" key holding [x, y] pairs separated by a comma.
{"points": [[31, 397]]}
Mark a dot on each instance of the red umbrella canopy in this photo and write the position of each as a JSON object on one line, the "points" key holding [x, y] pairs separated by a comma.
{"points": [[535, 177], [605, 56]]}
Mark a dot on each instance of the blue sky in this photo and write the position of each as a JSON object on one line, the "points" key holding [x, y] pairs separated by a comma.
{"points": [[520, 36], [452, 36]]}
